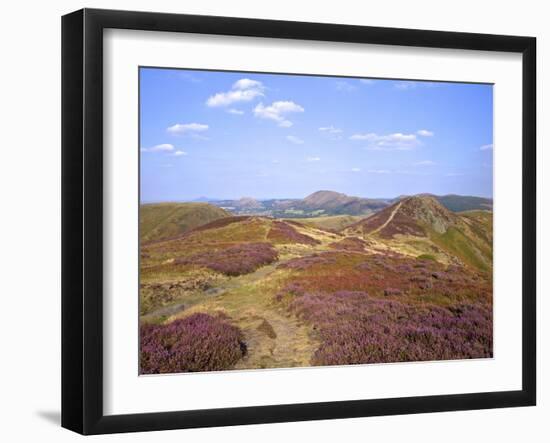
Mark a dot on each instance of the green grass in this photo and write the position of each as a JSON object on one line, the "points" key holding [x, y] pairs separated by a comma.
{"points": [[455, 242], [426, 257]]}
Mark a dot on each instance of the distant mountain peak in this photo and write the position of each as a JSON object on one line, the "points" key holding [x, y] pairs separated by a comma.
{"points": [[248, 202], [324, 197]]}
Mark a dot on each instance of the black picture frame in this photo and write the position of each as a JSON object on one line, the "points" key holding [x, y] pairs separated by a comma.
{"points": [[82, 218]]}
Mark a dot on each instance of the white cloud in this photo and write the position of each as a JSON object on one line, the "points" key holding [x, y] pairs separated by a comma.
{"points": [[486, 147], [425, 133], [235, 111], [378, 171], [243, 90], [165, 147], [313, 159], [424, 163], [179, 153], [344, 86], [294, 139], [330, 130], [389, 142], [367, 81], [405, 85], [355, 169], [246, 83], [276, 112], [183, 128]]}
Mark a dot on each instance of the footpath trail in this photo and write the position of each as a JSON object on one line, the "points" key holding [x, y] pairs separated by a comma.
{"points": [[387, 222], [274, 337]]}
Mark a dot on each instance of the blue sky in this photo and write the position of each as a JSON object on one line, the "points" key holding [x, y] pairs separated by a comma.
{"points": [[228, 135]]}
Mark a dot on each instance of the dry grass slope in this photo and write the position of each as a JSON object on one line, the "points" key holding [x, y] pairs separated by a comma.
{"points": [[165, 220]]}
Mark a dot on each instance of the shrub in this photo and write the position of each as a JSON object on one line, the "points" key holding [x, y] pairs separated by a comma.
{"points": [[199, 342]]}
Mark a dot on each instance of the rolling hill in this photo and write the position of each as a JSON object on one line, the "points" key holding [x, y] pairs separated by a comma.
{"points": [[160, 221], [336, 203], [329, 203], [422, 225], [458, 203]]}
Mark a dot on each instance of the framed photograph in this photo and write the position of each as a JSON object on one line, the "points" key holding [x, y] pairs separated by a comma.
{"points": [[269, 221]]}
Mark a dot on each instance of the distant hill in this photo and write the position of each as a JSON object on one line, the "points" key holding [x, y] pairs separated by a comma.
{"points": [[166, 220], [329, 203], [422, 223], [458, 203], [320, 203], [248, 203], [335, 203]]}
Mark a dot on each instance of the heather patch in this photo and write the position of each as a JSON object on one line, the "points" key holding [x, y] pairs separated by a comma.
{"points": [[403, 225], [301, 263], [376, 273], [355, 328], [234, 260], [199, 342], [283, 233]]}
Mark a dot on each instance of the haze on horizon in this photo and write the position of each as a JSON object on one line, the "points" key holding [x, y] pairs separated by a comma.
{"points": [[225, 135]]}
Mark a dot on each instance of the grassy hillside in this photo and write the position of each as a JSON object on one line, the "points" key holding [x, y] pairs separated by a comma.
{"points": [[165, 220], [421, 225]]}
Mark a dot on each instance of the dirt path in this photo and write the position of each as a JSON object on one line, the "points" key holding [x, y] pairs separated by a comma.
{"points": [[277, 341], [274, 338], [390, 218]]}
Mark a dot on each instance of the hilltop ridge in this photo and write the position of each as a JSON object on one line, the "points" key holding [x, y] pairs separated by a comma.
{"points": [[160, 221]]}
